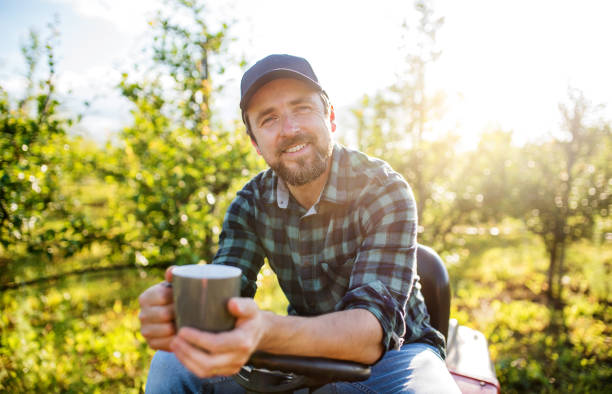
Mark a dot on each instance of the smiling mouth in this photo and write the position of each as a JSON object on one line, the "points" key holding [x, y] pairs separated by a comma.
{"points": [[295, 148]]}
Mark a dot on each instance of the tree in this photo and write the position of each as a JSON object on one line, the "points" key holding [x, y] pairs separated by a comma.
{"points": [[399, 125], [493, 176], [418, 109], [39, 220], [567, 185], [178, 166]]}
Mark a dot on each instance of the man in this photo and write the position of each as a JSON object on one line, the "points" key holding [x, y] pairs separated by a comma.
{"points": [[339, 230]]}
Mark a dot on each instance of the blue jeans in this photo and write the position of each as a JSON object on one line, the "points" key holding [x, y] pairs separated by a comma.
{"points": [[415, 368]]}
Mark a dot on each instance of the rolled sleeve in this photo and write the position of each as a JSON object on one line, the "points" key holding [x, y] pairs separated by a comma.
{"points": [[376, 298]]}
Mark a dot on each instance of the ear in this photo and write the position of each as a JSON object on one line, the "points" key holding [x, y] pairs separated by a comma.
{"points": [[332, 118], [255, 146]]}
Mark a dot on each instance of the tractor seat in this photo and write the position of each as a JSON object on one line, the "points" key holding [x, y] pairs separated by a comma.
{"points": [[435, 287]]}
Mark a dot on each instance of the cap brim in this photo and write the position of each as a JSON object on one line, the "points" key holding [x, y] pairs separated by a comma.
{"points": [[272, 75]]}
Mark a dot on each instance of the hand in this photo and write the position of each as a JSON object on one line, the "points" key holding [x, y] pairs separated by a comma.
{"points": [[209, 354], [157, 314]]}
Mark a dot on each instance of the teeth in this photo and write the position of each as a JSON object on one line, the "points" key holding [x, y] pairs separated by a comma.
{"points": [[295, 148]]}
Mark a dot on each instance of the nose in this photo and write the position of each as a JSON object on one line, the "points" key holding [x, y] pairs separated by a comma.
{"points": [[289, 125]]}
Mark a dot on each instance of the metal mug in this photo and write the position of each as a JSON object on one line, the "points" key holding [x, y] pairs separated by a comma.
{"points": [[201, 293]]}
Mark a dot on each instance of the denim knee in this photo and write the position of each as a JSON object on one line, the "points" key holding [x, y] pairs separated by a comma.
{"points": [[168, 375]]}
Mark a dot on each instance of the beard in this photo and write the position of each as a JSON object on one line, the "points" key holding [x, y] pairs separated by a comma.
{"points": [[309, 168]]}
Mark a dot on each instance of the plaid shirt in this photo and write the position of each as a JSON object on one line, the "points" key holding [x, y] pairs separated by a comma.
{"points": [[355, 248]]}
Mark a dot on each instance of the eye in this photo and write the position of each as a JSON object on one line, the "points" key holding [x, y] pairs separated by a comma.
{"points": [[267, 120], [303, 108]]}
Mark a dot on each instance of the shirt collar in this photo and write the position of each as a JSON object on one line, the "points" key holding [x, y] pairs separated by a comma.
{"points": [[282, 193], [334, 190]]}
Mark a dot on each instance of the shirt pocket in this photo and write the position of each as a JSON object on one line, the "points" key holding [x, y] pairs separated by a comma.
{"points": [[336, 278], [324, 284]]}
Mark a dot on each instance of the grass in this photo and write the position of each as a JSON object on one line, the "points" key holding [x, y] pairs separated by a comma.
{"points": [[500, 290], [81, 334]]}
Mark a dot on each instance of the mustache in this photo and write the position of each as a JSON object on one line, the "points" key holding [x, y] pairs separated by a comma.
{"points": [[295, 140]]}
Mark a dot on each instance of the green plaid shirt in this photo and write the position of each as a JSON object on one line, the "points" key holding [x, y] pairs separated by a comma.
{"points": [[355, 248]]}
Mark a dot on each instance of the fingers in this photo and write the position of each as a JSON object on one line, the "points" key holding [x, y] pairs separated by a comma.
{"points": [[156, 295], [217, 343], [204, 364], [209, 354], [201, 339], [151, 331], [158, 336], [168, 274], [161, 343], [156, 314], [242, 307]]}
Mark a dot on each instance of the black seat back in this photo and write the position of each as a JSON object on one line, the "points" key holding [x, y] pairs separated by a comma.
{"points": [[435, 287]]}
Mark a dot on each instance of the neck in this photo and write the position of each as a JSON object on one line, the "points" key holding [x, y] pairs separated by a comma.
{"points": [[306, 195]]}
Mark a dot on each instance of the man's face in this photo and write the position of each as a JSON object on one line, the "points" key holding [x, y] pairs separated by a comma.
{"points": [[292, 130]]}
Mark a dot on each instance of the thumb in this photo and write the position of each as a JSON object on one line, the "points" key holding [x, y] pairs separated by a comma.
{"points": [[168, 274], [242, 307]]}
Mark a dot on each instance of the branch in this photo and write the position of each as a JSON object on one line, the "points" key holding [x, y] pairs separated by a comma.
{"points": [[3, 211], [44, 279]]}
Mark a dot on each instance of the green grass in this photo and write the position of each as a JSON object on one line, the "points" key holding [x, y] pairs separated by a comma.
{"points": [[81, 334], [500, 289], [78, 335]]}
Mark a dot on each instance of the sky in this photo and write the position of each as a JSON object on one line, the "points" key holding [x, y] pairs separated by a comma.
{"points": [[504, 64]]}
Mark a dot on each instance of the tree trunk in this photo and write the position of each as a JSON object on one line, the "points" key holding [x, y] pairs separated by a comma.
{"points": [[420, 190], [560, 271], [551, 273]]}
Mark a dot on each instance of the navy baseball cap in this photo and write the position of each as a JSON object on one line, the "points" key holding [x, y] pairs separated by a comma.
{"points": [[274, 67]]}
